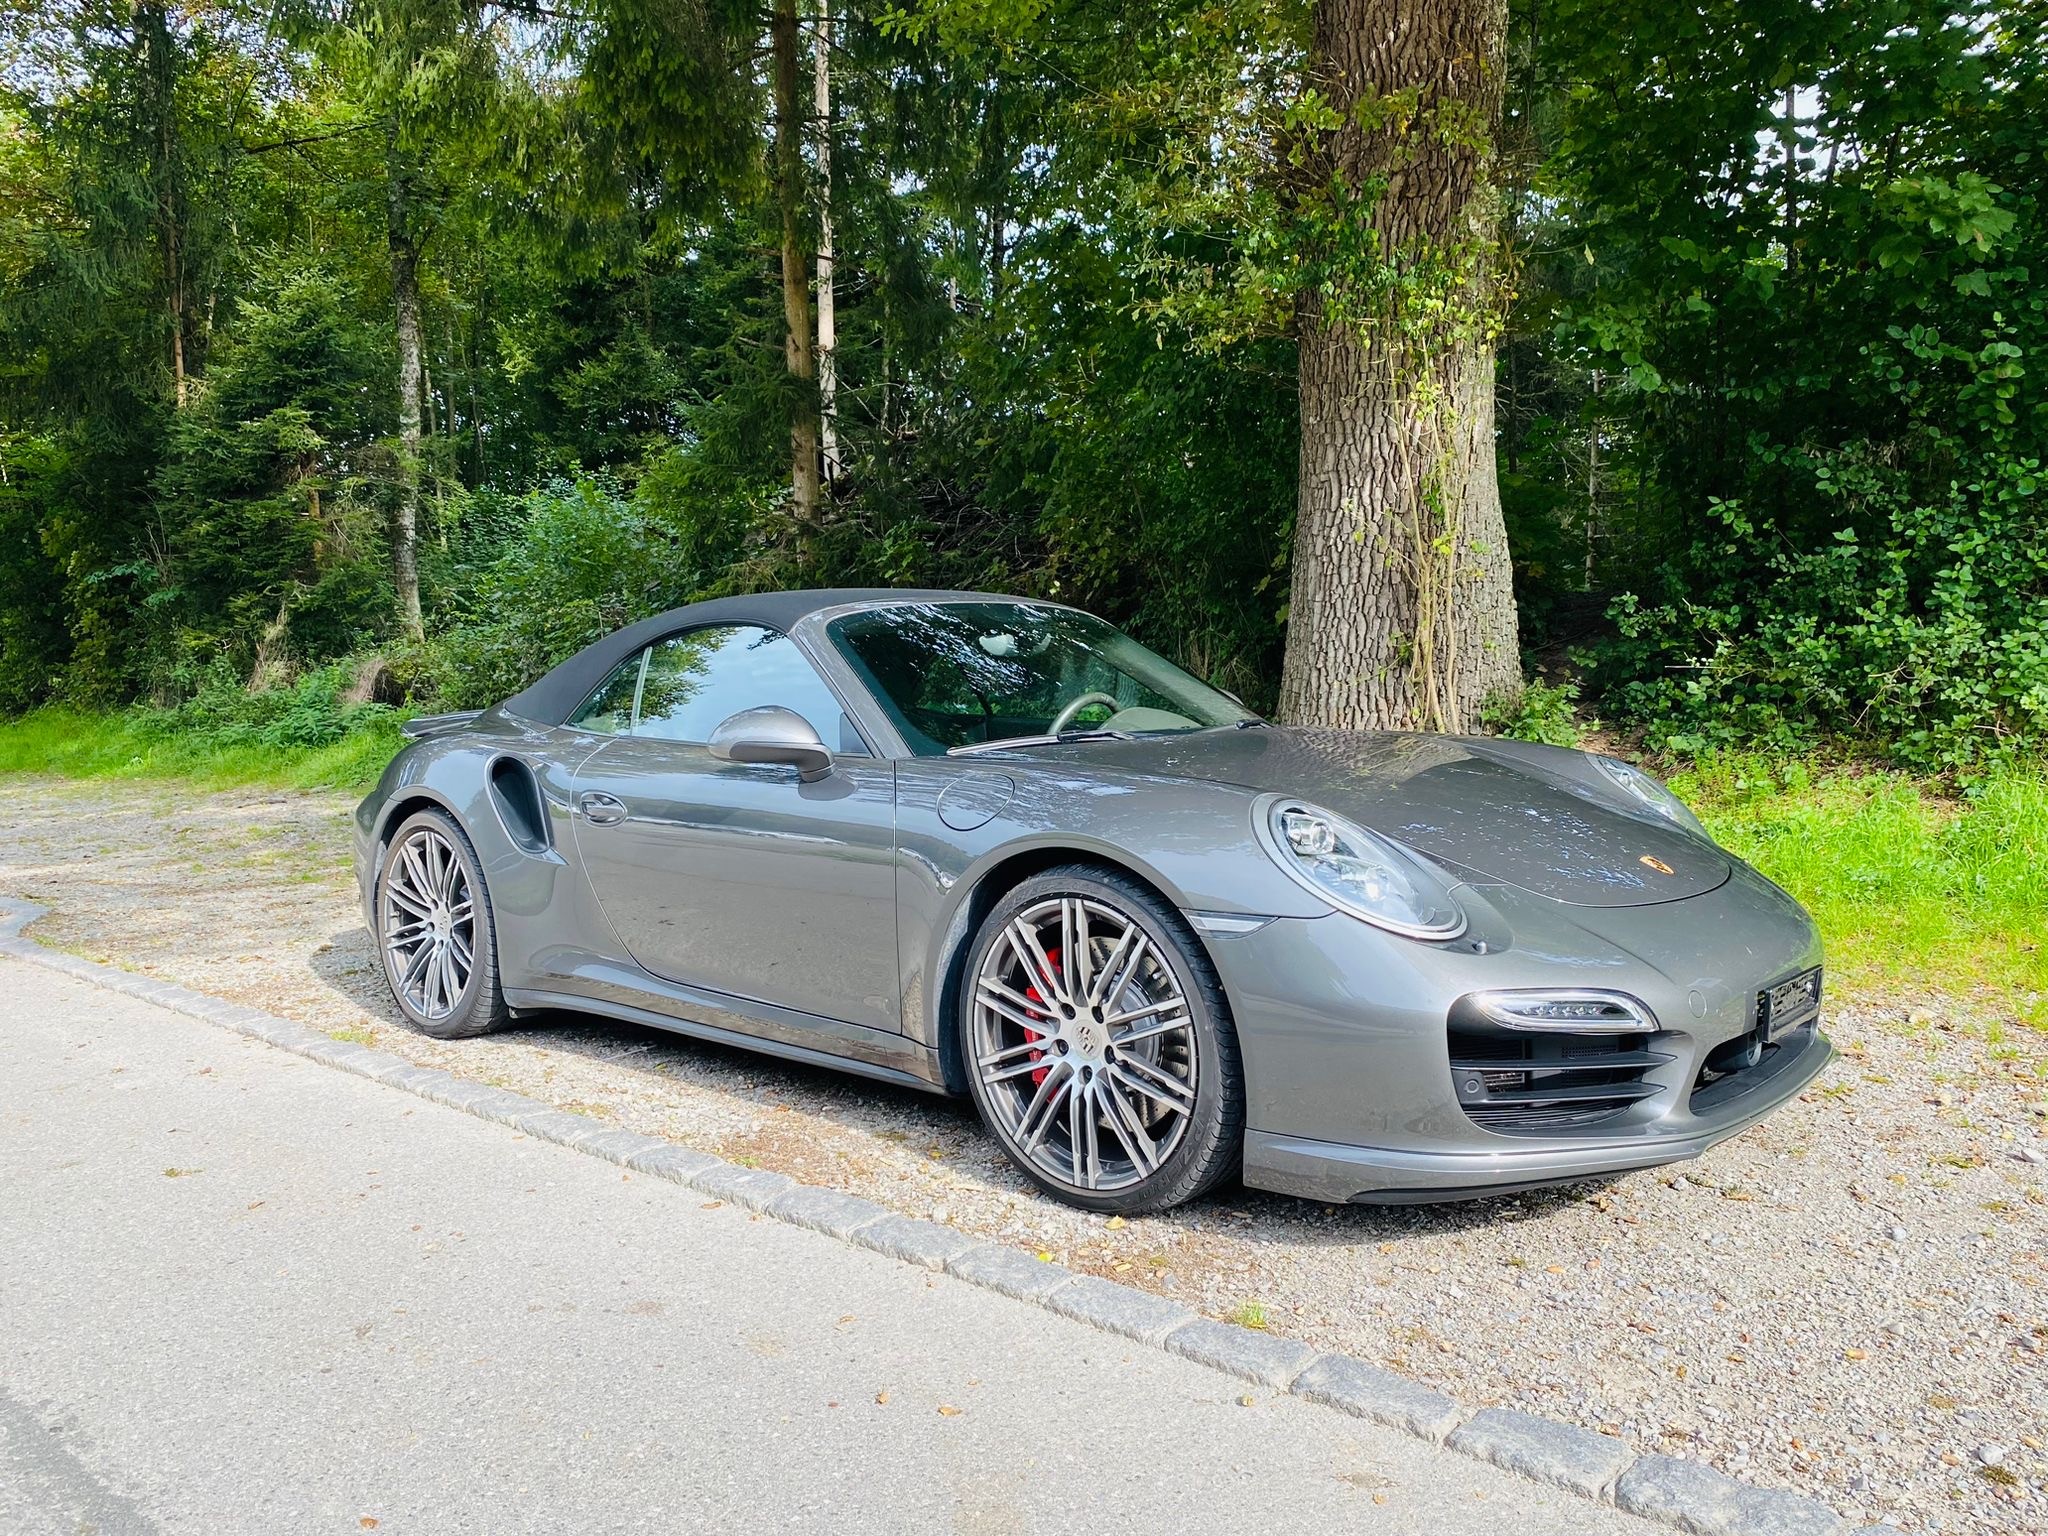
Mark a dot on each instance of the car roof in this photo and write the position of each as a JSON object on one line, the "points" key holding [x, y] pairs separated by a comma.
{"points": [[556, 695]]}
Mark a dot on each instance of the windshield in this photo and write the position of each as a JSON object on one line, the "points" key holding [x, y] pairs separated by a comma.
{"points": [[956, 675]]}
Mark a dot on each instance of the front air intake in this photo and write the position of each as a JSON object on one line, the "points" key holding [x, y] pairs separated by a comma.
{"points": [[1517, 1079]]}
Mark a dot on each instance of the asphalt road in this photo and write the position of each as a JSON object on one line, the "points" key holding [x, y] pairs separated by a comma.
{"points": [[244, 1293]]}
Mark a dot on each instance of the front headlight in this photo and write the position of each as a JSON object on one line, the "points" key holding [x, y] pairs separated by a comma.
{"points": [[1357, 871], [1646, 791]]}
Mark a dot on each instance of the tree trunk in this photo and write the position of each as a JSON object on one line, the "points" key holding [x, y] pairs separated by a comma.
{"points": [[405, 293], [796, 278], [155, 25], [828, 325], [1402, 614]]}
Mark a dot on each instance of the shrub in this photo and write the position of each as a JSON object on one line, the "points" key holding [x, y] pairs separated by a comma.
{"points": [[1545, 712]]}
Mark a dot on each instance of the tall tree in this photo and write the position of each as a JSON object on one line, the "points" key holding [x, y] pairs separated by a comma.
{"points": [[1403, 608], [403, 241], [792, 190], [425, 72]]}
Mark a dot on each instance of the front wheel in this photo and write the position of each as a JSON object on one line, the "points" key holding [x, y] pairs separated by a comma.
{"points": [[1098, 1044], [436, 932]]}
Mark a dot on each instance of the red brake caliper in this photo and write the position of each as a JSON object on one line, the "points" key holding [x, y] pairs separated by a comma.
{"points": [[1036, 996]]}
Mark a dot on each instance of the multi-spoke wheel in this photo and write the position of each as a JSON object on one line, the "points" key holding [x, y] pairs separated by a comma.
{"points": [[434, 926], [1098, 1045]]}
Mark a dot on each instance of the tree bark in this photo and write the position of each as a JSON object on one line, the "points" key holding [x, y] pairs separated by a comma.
{"points": [[156, 29], [1402, 613], [828, 321], [405, 294], [798, 352]]}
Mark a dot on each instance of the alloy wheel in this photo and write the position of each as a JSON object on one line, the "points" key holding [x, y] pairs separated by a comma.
{"points": [[1084, 1044], [429, 924]]}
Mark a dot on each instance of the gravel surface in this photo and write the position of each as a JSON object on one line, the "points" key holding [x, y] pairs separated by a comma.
{"points": [[1851, 1300]]}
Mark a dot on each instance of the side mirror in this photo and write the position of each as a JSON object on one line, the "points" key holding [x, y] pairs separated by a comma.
{"points": [[772, 734]]}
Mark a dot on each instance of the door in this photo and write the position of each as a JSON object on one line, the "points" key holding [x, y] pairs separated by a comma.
{"points": [[736, 877]]}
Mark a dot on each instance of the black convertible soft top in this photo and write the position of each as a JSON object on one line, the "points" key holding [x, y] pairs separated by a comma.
{"points": [[557, 694]]}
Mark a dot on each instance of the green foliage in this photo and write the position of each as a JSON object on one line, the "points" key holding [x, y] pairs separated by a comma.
{"points": [[1544, 712], [303, 737], [568, 564], [1808, 273], [1913, 890]]}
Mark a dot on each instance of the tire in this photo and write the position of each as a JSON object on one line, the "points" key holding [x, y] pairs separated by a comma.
{"points": [[432, 910], [1132, 1102]]}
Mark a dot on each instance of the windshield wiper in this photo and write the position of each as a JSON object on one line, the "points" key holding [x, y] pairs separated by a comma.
{"points": [[975, 748]]}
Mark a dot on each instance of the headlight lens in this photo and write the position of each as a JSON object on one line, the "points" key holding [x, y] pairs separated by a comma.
{"points": [[1639, 786], [1358, 871]]}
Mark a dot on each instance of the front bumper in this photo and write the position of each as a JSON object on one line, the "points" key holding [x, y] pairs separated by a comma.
{"points": [[1347, 1044], [1338, 1174]]}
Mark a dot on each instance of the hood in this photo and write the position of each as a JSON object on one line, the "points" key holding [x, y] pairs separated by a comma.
{"points": [[1492, 813]]}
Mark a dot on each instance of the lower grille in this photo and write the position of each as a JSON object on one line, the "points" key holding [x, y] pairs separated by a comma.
{"points": [[1551, 1081]]}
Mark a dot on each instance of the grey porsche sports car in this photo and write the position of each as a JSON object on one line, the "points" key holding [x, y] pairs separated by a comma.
{"points": [[990, 846]]}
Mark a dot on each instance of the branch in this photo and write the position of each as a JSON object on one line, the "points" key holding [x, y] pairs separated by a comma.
{"points": [[305, 138]]}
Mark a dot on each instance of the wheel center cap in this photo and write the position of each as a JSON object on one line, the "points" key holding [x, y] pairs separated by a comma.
{"points": [[1088, 1036], [442, 924]]}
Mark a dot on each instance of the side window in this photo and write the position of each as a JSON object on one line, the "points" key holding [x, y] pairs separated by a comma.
{"points": [[697, 680], [609, 711]]}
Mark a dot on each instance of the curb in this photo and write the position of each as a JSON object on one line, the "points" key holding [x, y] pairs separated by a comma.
{"points": [[1686, 1495]]}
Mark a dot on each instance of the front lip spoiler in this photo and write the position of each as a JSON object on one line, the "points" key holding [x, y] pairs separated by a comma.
{"points": [[1339, 1174]]}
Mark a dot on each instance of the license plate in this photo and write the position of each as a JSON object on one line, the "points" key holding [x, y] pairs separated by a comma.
{"points": [[1789, 1004]]}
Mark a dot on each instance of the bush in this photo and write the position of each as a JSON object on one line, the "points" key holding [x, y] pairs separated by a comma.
{"points": [[1545, 712], [222, 713], [570, 563]]}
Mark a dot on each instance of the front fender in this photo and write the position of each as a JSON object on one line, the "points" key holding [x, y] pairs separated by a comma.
{"points": [[1193, 843]]}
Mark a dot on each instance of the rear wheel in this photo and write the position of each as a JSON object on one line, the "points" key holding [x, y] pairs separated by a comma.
{"points": [[436, 932], [1098, 1044]]}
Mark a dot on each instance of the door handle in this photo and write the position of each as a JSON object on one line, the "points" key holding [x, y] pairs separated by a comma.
{"points": [[602, 810]]}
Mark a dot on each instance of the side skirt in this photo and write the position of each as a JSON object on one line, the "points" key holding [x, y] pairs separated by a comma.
{"points": [[885, 1057]]}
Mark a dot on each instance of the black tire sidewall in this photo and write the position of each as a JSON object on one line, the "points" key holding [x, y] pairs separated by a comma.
{"points": [[481, 1007], [1212, 1146]]}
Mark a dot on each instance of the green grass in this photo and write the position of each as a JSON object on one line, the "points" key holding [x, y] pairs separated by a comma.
{"points": [[1915, 890], [141, 744]]}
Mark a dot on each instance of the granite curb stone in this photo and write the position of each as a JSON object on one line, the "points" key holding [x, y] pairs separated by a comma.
{"points": [[914, 1241], [1338, 1381], [1120, 1308], [825, 1210], [1258, 1357], [1544, 1449], [1696, 1498], [1009, 1270]]}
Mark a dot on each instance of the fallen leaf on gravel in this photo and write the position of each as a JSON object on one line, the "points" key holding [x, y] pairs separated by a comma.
{"points": [[1115, 1222], [947, 1410], [1855, 1354], [882, 1396], [368, 1522], [1379, 1498], [1247, 1401], [711, 1205]]}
